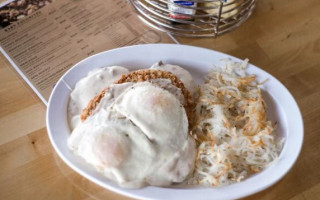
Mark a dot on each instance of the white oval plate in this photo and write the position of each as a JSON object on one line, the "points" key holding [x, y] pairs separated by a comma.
{"points": [[281, 108]]}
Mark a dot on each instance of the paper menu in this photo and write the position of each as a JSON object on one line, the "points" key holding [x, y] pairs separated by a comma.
{"points": [[44, 43]]}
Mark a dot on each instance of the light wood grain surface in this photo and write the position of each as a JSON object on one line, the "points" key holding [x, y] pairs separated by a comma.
{"points": [[281, 37]]}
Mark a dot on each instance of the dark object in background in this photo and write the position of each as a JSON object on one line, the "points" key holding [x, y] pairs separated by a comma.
{"points": [[19, 9]]}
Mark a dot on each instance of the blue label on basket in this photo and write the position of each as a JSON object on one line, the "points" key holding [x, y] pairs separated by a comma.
{"points": [[184, 3]]}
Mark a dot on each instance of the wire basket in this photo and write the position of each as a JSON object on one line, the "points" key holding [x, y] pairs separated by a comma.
{"points": [[196, 18]]}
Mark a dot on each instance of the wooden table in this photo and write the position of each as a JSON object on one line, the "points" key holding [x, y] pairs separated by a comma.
{"points": [[282, 37]]}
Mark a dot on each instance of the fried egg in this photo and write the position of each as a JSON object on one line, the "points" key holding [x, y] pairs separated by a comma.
{"points": [[88, 87], [181, 73], [137, 136]]}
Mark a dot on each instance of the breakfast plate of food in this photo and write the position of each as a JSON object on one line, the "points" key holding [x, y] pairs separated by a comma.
{"points": [[165, 121]]}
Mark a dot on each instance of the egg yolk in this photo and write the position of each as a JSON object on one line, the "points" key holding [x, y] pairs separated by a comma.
{"points": [[111, 150]]}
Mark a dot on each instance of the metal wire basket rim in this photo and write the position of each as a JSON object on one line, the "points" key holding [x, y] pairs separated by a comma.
{"points": [[176, 20], [182, 6], [151, 2], [199, 1], [166, 10], [167, 25], [200, 16]]}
